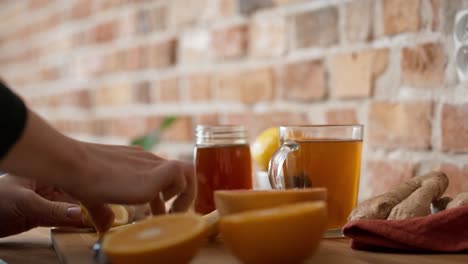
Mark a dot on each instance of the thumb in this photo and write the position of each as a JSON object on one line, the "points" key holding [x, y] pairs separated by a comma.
{"points": [[48, 213]]}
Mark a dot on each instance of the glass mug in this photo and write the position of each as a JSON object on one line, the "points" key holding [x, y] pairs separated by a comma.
{"points": [[321, 156], [222, 162]]}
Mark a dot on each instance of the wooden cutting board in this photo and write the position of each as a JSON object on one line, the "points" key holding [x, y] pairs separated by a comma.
{"points": [[74, 246]]}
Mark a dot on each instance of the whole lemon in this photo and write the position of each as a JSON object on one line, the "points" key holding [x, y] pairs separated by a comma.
{"points": [[264, 146]]}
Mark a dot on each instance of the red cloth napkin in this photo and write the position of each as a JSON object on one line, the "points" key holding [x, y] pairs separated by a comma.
{"points": [[446, 231]]}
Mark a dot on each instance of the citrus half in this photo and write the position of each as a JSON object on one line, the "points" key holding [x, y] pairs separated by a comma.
{"points": [[235, 201], [172, 238], [285, 234], [212, 222]]}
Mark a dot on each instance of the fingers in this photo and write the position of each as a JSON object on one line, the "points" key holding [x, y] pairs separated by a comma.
{"points": [[101, 215], [176, 178], [187, 195], [178, 185], [43, 212], [54, 194], [157, 205]]}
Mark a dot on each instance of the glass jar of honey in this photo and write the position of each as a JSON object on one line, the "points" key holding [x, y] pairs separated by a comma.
{"points": [[222, 162]]}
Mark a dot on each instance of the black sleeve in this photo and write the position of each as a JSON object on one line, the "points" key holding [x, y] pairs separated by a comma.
{"points": [[12, 119]]}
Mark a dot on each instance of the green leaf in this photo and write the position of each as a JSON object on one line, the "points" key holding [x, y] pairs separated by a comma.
{"points": [[148, 141], [167, 122]]}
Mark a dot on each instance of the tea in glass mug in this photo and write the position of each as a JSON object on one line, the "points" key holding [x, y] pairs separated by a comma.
{"points": [[321, 156]]}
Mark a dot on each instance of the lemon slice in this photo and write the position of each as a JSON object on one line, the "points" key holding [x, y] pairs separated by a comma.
{"points": [[162, 239], [120, 213], [87, 221], [121, 216], [285, 234], [264, 146]]}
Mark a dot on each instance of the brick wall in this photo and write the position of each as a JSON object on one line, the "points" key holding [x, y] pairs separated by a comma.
{"points": [[110, 70]]}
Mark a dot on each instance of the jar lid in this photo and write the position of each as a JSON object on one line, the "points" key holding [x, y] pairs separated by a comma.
{"points": [[227, 134]]}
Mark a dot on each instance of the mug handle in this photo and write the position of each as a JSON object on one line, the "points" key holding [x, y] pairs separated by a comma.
{"points": [[277, 161]]}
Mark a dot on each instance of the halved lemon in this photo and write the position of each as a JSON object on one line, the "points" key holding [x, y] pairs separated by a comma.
{"points": [[162, 239], [285, 234], [235, 201]]}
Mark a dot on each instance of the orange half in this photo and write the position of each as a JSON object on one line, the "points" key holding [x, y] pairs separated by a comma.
{"points": [[162, 239], [285, 234], [236, 201], [212, 221]]}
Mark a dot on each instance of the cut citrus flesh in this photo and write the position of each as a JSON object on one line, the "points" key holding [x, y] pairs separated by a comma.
{"points": [[161, 239], [121, 216], [212, 220], [285, 234], [87, 221], [235, 201], [264, 146]]}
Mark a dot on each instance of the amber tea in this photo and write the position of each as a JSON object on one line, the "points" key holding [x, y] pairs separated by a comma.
{"points": [[333, 164]]}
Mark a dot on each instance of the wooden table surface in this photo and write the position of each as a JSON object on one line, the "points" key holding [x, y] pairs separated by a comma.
{"points": [[35, 246]]}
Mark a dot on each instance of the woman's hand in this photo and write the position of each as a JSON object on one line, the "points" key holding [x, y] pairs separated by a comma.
{"points": [[129, 175], [25, 205], [98, 174]]}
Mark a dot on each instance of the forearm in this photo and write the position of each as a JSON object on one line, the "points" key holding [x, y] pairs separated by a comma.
{"points": [[41, 152]]}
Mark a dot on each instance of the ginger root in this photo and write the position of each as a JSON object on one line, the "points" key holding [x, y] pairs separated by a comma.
{"points": [[409, 199], [440, 204], [459, 200], [419, 202]]}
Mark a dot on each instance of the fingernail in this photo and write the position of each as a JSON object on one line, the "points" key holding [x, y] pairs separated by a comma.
{"points": [[74, 212]]}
